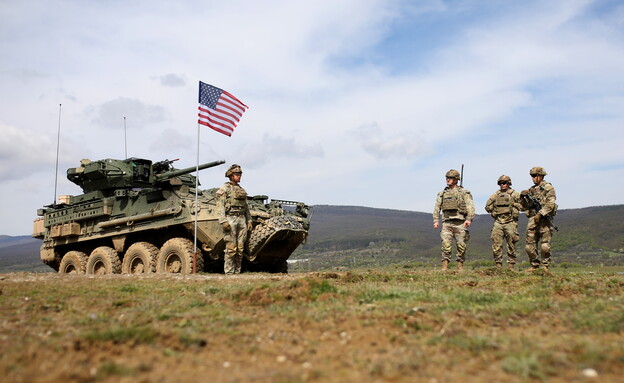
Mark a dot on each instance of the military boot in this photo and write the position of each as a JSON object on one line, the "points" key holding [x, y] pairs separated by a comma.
{"points": [[510, 266], [499, 265], [445, 265], [460, 266]]}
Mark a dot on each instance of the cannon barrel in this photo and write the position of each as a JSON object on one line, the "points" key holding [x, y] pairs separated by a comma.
{"points": [[178, 172]]}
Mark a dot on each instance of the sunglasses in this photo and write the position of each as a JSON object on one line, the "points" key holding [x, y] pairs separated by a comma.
{"points": [[503, 182], [534, 175]]}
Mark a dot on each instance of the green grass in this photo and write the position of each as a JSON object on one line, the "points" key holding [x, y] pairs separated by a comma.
{"points": [[362, 325], [134, 334]]}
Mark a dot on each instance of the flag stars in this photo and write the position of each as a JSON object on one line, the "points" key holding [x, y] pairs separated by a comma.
{"points": [[218, 109], [209, 95]]}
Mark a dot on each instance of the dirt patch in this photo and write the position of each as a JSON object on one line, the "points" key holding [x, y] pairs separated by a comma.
{"points": [[317, 327], [299, 290]]}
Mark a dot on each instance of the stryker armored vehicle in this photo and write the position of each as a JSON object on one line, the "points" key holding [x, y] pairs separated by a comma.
{"points": [[139, 217]]}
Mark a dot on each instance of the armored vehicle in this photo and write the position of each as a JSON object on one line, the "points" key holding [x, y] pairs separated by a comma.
{"points": [[139, 217]]}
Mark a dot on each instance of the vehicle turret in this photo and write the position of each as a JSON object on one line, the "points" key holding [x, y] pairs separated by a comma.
{"points": [[129, 173], [172, 173]]}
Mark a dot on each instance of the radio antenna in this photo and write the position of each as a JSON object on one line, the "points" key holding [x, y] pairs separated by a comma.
{"points": [[125, 138], [58, 144], [461, 176]]}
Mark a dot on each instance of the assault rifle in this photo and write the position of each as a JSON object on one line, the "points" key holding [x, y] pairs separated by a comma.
{"points": [[533, 204]]}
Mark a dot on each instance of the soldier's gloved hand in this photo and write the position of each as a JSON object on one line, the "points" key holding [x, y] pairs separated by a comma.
{"points": [[249, 226], [537, 217], [524, 192], [226, 226]]}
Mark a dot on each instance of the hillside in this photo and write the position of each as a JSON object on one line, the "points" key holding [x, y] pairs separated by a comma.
{"points": [[348, 236], [20, 253], [351, 236]]}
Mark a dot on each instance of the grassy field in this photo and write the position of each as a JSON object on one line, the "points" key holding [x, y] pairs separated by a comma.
{"points": [[382, 325]]}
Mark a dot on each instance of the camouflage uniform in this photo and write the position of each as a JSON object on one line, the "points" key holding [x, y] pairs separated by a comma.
{"points": [[539, 229], [456, 206], [505, 207], [232, 209]]}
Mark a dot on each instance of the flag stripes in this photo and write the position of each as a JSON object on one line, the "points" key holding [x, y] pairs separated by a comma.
{"points": [[218, 109]]}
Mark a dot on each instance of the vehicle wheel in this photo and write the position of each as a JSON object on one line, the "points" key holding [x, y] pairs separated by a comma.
{"points": [[176, 256], [74, 262], [258, 236], [140, 258], [103, 260]]}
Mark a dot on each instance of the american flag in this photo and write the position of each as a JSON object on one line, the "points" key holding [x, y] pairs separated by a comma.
{"points": [[218, 109]]}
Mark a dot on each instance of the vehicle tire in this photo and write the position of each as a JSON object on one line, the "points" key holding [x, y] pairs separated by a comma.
{"points": [[261, 233], [103, 260], [140, 258], [176, 256], [258, 236], [74, 262]]}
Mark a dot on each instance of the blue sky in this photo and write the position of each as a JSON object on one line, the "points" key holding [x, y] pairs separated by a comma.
{"points": [[352, 102]]}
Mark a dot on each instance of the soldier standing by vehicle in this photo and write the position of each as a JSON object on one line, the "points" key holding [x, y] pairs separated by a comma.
{"points": [[540, 206], [504, 206], [234, 218], [458, 211]]}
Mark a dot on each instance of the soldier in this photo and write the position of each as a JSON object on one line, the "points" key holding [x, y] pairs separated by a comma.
{"points": [[504, 206], [234, 218], [458, 211], [539, 227]]}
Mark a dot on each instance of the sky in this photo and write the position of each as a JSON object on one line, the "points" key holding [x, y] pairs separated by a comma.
{"points": [[351, 102]]}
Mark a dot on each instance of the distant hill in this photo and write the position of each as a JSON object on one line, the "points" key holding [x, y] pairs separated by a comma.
{"points": [[8, 241], [360, 236], [20, 253]]}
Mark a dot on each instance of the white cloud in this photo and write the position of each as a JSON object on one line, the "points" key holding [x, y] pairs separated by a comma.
{"points": [[111, 113], [172, 80], [383, 144], [505, 87], [276, 148], [21, 151], [171, 140]]}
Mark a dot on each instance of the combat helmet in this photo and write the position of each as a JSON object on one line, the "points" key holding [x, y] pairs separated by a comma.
{"points": [[504, 178], [538, 170], [233, 169], [453, 174]]}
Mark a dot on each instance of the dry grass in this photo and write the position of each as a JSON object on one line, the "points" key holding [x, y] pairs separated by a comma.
{"points": [[387, 326]]}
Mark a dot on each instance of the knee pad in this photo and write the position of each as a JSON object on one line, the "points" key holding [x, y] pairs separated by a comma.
{"points": [[461, 247]]}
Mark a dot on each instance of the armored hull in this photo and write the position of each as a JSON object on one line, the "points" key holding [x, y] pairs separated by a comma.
{"points": [[138, 217]]}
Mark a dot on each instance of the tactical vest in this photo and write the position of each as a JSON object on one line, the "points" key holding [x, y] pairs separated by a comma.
{"points": [[454, 201], [236, 200], [503, 204]]}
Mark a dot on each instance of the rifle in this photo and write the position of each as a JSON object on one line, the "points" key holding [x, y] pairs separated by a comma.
{"points": [[533, 204]]}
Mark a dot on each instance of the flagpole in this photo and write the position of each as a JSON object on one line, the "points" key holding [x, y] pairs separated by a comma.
{"points": [[196, 197], [58, 144]]}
